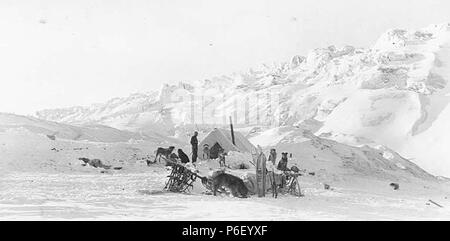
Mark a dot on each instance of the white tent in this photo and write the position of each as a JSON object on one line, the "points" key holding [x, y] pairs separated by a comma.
{"points": [[222, 138]]}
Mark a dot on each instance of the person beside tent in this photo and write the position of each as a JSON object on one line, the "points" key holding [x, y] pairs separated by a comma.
{"points": [[270, 166], [273, 156], [194, 143], [206, 153], [222, 158], [274, 176]]}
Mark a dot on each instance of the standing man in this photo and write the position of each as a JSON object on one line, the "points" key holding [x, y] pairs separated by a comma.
{"points": [[194, 143], [273, 156], [221, 158], [271, 176]]}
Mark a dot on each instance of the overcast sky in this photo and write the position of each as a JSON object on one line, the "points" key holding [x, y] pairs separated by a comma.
{"points": [[56, 53]]}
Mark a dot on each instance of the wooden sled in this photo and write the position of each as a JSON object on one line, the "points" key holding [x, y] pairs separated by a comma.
{"points": [[181, 179], [292, 186]]}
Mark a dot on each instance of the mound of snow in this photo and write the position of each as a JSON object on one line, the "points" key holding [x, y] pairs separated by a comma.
{"points": [[332, 159], [27, 151], [97, 133]]}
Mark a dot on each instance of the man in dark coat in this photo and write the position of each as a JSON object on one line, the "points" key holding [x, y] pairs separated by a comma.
{"points": [[194, 143]]}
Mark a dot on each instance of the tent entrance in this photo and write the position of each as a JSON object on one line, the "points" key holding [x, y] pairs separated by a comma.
{"points": [[214, 151]]}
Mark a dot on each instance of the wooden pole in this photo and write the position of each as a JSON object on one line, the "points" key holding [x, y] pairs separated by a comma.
{"points": [[431, 201], [232, 131]]}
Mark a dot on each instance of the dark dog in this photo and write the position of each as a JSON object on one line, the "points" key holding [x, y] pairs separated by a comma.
{"points": [[295, 169], [173, 157], [173, 160], [183, 157], [282, 164], [235, 184], [162, 152], [94, 162], [396, 186]]}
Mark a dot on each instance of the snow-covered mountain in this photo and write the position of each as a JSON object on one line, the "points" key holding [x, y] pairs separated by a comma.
{"points": [[394, 94]]}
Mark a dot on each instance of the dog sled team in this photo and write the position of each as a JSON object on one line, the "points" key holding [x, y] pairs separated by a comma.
{"points": [[278, 177]]}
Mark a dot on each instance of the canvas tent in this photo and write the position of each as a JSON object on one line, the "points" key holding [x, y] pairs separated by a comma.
{"points": [[221, 138]]}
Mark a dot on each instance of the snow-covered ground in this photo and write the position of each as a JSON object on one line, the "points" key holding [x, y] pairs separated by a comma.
{"points": [[42, 179], [31, 195]]}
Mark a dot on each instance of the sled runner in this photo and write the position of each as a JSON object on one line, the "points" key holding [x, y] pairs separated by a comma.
{"points": [[289, 185], [292, 185], [181, 179]]}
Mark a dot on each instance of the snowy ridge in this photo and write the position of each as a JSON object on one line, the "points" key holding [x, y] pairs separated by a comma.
{"points": [[114, 108], [95, 133], [393, 94]]}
